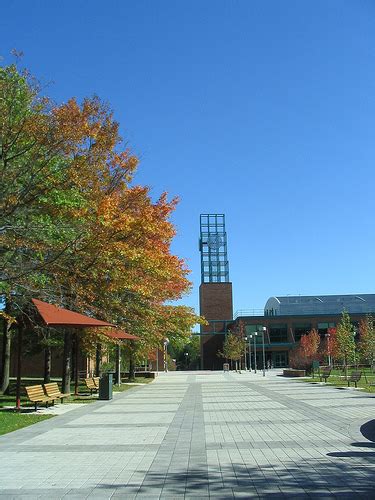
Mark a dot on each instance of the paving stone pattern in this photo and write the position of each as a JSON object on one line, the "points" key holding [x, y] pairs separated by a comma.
{"points": [[200, 435]]}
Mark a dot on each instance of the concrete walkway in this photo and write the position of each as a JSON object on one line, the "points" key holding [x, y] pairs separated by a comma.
{"points": [[200, 435]]}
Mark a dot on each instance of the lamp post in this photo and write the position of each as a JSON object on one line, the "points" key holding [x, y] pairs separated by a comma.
{"points": [[245, 363], [264, 329], [250, 337], [186, 359], [328, 335], [255, 351], [166, 342]]}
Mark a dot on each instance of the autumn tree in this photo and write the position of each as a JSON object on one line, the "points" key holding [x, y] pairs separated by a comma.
{"points": [[73, 230], [302, 356], [345, 341], [310, 343], [327, 347], [366, 344], [233, 348]]}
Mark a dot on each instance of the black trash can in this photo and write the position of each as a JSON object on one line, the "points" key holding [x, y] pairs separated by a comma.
{"points": [[105, 386]]}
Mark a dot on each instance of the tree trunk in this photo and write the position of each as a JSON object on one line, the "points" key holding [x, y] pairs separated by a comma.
{"points": [[131, 363], [19, 363], [67, 362], [3, 352], [47, 360], [7, 336]]}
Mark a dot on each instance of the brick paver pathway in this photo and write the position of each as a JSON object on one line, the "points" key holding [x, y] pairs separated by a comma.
{"points": [[200, 435]]}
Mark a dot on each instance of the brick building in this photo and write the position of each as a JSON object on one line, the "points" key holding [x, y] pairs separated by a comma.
{"points": [[285, 319]]}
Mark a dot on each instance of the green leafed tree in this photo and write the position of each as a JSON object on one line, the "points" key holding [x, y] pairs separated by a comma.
{"points": [[233, 348], [345, 341], [73, 231]]}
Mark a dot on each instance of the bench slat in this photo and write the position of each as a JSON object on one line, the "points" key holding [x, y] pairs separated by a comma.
{"points": [[52, 390], [35, 394]]}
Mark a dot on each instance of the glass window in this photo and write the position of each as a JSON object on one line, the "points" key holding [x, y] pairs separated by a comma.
{"points": [[278, 333], [251, 329], [300, 329], [323, 328]]}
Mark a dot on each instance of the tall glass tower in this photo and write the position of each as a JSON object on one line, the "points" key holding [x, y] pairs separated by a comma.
{"points": [[213, 249], [215, 291]]}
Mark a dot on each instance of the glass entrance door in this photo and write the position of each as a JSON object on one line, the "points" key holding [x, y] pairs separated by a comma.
{"points": [[280, 359]]}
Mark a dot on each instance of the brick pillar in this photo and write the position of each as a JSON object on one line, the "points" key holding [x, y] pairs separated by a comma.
{"points": [[216, 303]]}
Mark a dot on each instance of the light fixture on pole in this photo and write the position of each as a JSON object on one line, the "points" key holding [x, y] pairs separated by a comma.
{"points": [[166, 342], [245, 363], [255, 351], [264, 329], [249, 339], [328, 335]]}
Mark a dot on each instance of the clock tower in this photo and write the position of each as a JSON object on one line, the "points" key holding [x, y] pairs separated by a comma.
{"points": [[215, 291]]}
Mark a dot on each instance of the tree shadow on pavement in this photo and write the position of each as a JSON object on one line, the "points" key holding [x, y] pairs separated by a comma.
{"points": [[368, 431], [289, 479]]}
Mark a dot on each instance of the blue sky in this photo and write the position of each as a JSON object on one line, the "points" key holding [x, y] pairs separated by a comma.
{"points": [[262, 110]]}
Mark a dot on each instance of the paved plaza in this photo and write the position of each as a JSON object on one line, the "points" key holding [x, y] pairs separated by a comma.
{"points": [[201, 435]]}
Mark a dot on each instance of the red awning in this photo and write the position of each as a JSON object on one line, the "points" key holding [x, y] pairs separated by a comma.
{"points": [[58, 316], [120, 335]]}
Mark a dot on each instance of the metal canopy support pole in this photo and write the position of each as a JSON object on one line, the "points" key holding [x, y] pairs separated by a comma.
{"points": [[118, 364], [76, 346]]}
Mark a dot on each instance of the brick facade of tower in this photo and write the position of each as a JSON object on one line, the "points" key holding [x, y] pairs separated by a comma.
{"points": [[216, 303]]}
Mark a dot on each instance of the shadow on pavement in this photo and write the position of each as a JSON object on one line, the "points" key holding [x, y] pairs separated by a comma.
{"points": [[364, 445], [320, 479], [368, 430], [354, 454]]}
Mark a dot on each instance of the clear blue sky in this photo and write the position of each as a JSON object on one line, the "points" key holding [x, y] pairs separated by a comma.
{"points": [[262, 110]]}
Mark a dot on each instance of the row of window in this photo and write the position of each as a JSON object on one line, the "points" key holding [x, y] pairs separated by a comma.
{"points": [[279, 333]]}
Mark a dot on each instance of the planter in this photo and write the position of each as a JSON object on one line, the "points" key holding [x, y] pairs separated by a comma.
{"points": [[290, 372]]}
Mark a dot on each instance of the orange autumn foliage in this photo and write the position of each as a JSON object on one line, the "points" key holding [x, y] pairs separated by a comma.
{"points": [[78, 233]]}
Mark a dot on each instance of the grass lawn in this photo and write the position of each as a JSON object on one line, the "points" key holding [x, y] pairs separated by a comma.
{"points": [[83, 395], [337, 379], [10, 400], [126, 384], [11, 421], [139, 380]]}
